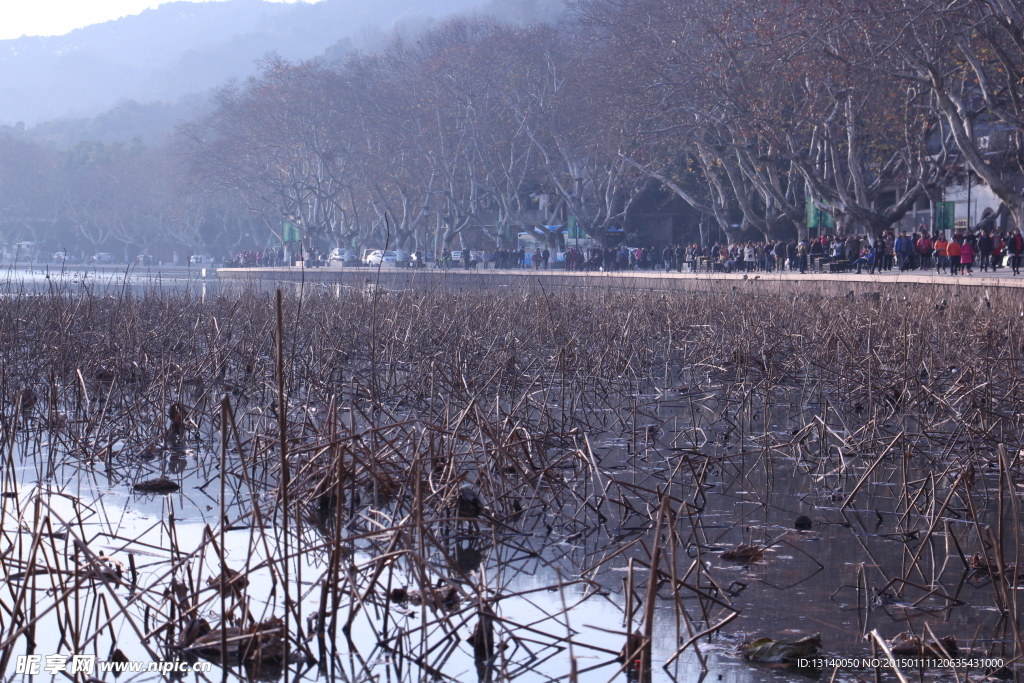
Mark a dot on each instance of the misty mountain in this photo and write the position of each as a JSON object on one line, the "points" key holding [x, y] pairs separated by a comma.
{"points": [[184, 48], [152, 123]]}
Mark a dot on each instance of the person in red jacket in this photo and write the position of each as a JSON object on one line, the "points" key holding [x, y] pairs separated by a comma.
{"points": [[953, 252], [941, 258], [998, 249], [924, 248], [1015, 246], [967, 257]]}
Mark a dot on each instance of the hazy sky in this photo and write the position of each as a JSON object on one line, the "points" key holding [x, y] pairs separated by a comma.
{"points": [[55, 17]]}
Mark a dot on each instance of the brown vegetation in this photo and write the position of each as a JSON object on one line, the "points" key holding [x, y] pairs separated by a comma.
{"points": [[390, 464]]}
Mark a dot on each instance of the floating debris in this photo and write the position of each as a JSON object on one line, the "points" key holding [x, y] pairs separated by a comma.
{"points": [[910, 644], [234, 585], [744, 553], [160, 485], [263, 642], [781, 651]]}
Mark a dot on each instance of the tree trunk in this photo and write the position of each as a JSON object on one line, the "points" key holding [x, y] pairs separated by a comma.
{"points": [[845, 225], [776, 229], [734, 235]]}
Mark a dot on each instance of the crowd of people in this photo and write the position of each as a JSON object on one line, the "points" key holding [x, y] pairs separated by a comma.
{"points": [[578, 258], [985, 250], [960, 254], [259, 259], [271, 257]]}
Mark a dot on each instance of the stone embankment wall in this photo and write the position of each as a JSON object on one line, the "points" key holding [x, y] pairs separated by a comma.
{"points": [[561, 283]]}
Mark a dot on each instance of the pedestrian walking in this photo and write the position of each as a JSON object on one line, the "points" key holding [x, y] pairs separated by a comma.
{"points": [[966, 257], [953, 252], [985, 251], [1015, 247], [941, 257]]}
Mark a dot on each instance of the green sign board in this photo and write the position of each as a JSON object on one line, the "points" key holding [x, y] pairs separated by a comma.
{"points": [[945, 215], [290, 232], [574, 229], [817, 218]]}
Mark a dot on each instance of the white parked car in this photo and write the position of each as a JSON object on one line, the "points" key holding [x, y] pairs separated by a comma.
{"points": [[378, 257], [103, 258], [23, 251], [64, 257], [340, 254]]}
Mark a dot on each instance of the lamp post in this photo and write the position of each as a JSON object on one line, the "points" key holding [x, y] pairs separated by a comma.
{"points": [[967, 167], [437, 233], [437, 228]]}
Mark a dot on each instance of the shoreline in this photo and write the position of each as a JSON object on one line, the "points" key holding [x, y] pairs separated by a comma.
{"points": [[461, 279]]}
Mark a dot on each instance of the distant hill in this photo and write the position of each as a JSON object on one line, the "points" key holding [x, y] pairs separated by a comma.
{"points": [[152, 123], [183, 48]]}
